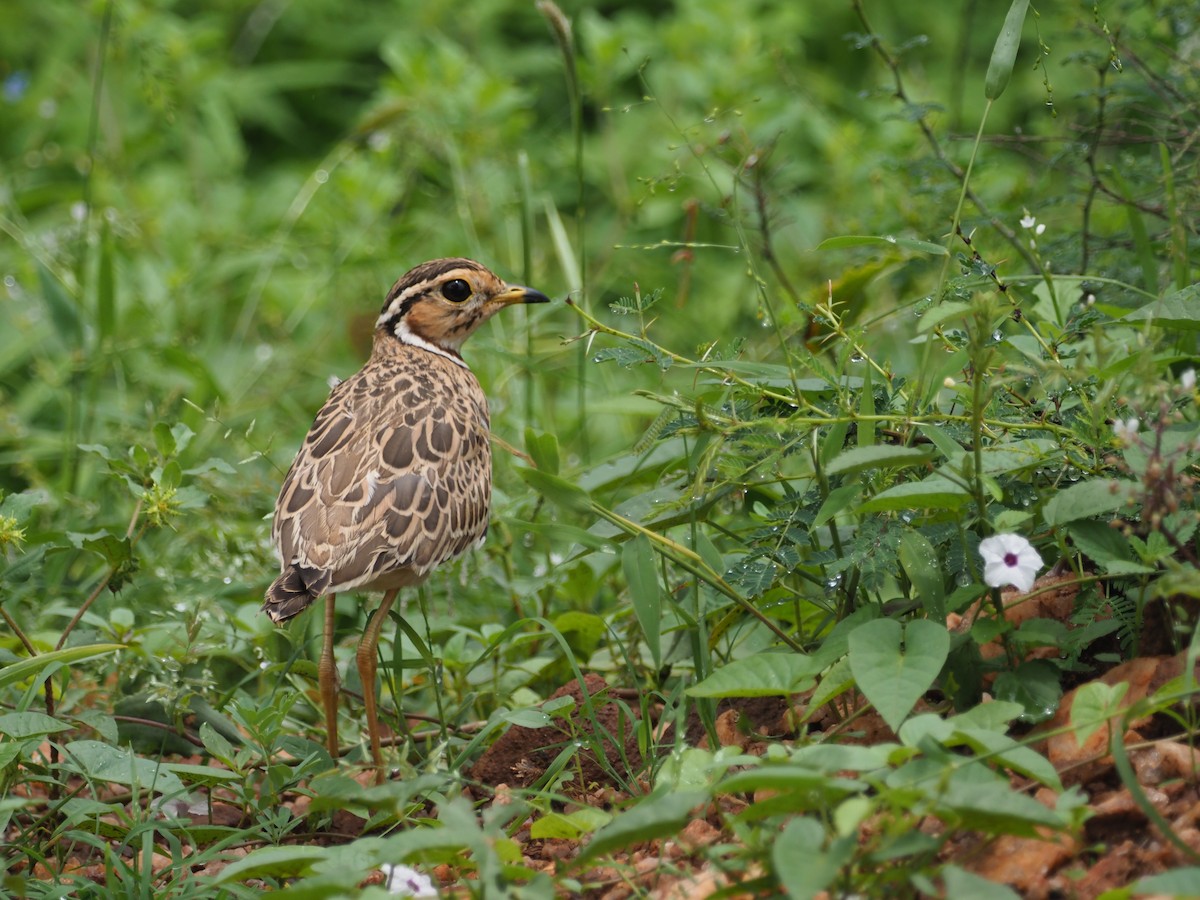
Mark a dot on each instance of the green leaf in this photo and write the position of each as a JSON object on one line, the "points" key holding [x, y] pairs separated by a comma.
{"points": [[1086, 499], [570, 826], [638, 562], [920, 563], [762, 675], [868, 240], [30, 724], [935, 492], [1178, 310], [104, 762], [878, 456], [1033, 684], [1000, 748], [961, 883], [1183, 882], [557, 490], [1100, 543], [894, 666], [658, 815], [276, 862], [1094, 704], [1004, 53], [28, 668], [839, 498], [543, 450], [164, 440], [802, 864]]}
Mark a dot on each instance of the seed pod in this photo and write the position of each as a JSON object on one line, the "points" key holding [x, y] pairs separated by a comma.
{"points": [[1004, 54]]}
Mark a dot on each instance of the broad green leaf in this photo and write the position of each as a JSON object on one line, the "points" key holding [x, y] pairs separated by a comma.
{"points": [[1094, 704], [819, 788], [1183, 882], [104, 762], [877, 456], [570, 826], [894, 665], [1086, 499], [30, 724], [1000, 748], [834, 441], [1035, 685], [994, 807], [638, 562], [802, 863], [1178, 310], [657, 815], [276, 862], [935, 492], [27, 668], [839, 498], [543, 450], [920, 563], [948, 447], [1002, 459], [763, 675], [1100, 543], [558, 490], [961, 883]]}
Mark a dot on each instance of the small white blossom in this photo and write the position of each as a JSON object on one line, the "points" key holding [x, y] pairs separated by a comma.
{"points": [[1009, 559], [1040, 228], [1028, 221], [1125, 429], [948, 382], [1187, 380], [1089, 300], [404, 881]]}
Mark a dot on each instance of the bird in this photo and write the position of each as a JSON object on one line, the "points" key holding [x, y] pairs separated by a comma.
{"points": [[395, 476]]}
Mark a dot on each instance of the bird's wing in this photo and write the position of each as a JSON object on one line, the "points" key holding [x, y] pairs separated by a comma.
{"points": [[393, 479]]}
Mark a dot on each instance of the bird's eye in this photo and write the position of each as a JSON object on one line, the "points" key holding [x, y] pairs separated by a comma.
{"points": [[456, 291]]}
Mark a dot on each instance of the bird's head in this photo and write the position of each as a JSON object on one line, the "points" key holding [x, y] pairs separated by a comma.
{"points": [[438, 304]]}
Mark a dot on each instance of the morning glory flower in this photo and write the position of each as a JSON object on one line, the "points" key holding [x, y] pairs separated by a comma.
{"points": [[404, 881], [1009, 559]]}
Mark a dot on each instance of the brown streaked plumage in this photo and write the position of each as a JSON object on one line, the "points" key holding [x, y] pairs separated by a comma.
{"points": [[395, 476]]}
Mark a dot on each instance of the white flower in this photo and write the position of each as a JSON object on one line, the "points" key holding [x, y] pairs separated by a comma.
{"points": [[1009, 559], [1028, 221], [1125, 429], [1040, 229], [404, 881], [948, 382], [1187, 380]]}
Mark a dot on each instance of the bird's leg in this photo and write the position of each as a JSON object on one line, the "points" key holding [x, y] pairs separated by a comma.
{"points": [[327, 679], [367, 666]]}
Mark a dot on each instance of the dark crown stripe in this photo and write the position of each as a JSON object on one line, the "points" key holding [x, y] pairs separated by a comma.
{"points": [[414, 283]]}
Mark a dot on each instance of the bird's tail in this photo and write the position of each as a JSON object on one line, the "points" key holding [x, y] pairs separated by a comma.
{"points": [[294, 591]]}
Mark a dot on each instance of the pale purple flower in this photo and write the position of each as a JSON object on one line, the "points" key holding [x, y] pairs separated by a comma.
{"points": [[1009, 559], [404, 881]]}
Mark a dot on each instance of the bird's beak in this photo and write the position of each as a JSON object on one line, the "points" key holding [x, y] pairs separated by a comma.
{"points": [[515, 293]]}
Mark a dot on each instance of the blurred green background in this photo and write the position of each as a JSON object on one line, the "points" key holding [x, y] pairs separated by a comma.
{"points": [[203, 205]]}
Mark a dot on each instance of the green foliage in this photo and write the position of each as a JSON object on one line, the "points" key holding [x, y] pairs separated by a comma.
{"points": [[848, 345]]}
